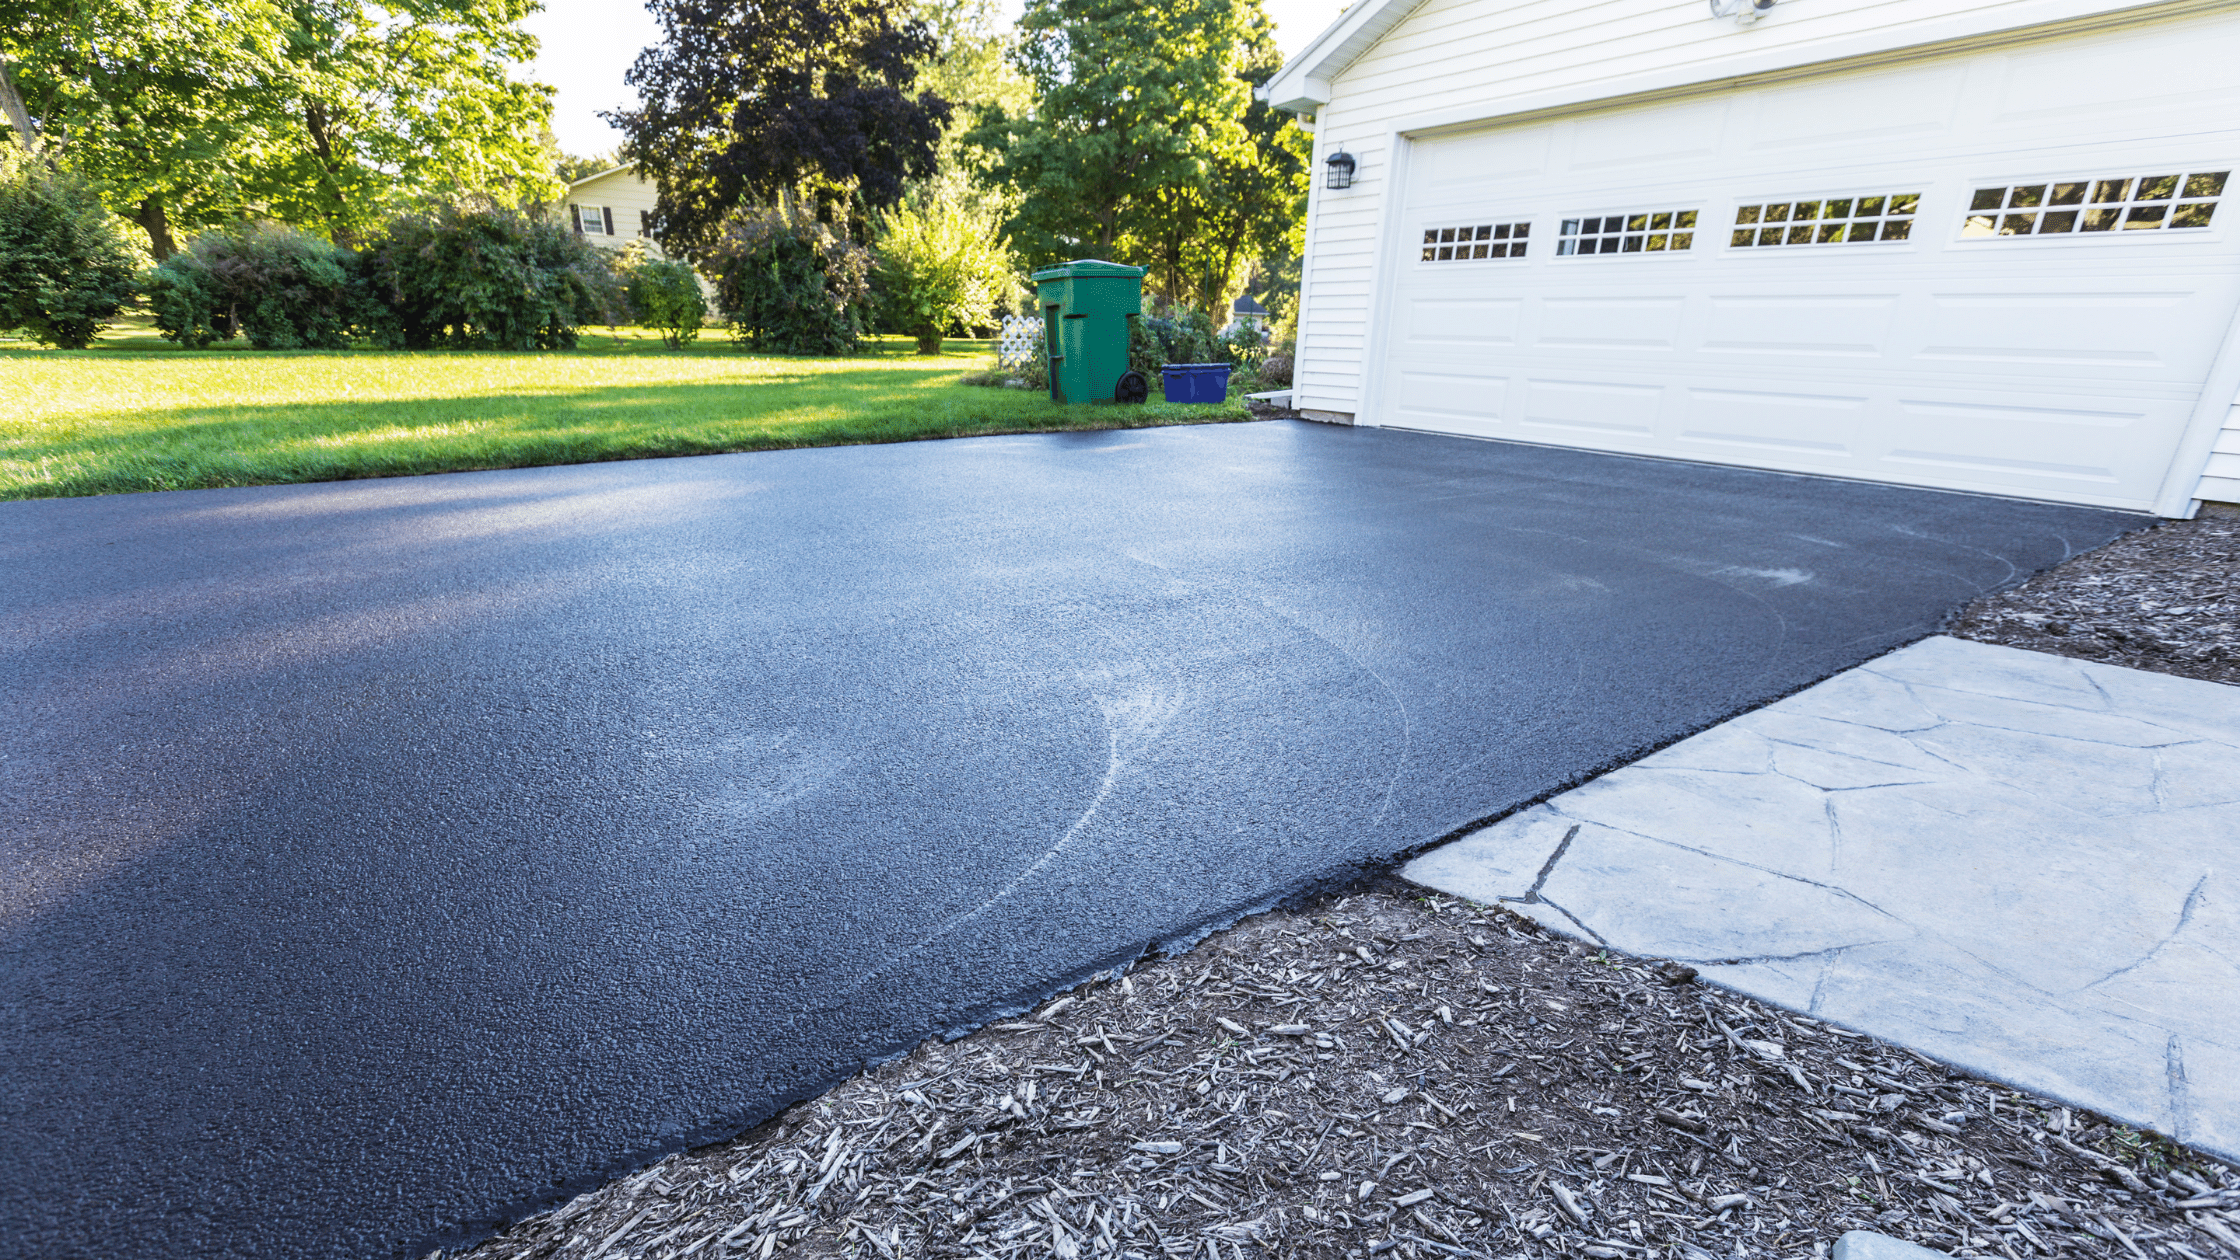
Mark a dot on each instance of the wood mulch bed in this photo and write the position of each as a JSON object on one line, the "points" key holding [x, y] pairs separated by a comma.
{"points": [[2166, 598], [1392, 1073]]}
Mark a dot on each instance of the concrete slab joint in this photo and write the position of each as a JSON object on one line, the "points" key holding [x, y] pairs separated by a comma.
{"points": [[2016, 862]]}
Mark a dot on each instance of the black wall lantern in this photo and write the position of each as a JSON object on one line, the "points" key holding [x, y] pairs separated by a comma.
{"points": [[1340, 165]]}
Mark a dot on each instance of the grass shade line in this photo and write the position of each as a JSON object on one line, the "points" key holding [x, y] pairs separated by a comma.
{"points": [[136, 414]]}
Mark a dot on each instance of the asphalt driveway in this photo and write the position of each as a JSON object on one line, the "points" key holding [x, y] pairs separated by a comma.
{"points": [[386, 858]]}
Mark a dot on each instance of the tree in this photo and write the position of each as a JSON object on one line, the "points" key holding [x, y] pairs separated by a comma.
{"points": [[942, 264], [328, 114], [754, 101], [156, 102], [1205, 240], [570, 168], [1144, 145], [65, 271], [385, 105]]}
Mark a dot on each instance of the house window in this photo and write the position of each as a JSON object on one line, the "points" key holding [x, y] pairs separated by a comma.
{"points": [[1480, 240], [2117, 204], [592, 220], [1830, 221], [1649, 231]]}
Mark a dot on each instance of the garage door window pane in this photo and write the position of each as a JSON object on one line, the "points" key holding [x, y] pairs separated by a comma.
{"points": [[1833, 221], [1474, 241], [1647, 232], [2143, 203]]}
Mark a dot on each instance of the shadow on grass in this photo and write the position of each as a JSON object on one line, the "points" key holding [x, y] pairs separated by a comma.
{"points": [[331, 440]]}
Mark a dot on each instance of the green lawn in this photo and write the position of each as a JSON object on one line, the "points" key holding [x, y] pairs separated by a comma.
{"points": [[135, 413]]}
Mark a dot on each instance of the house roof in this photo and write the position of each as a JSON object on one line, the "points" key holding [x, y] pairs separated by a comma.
{"points": [[1303, 85], [626, 166], [1247, 306]]}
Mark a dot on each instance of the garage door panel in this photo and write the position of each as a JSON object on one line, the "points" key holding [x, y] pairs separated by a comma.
{"points": [[1630, 322], [1865, 107], [2076, 330], [1813, 425], [1459, 397], [2032, 443], [1604, 408], [1483, 321], [1674, 133], [1834, 325]]}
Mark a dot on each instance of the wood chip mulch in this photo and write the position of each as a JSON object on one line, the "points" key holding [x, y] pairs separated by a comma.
{"points": [[1391, 1073], [2165, 599]]}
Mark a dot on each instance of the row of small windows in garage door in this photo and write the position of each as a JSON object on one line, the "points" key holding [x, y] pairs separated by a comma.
{"points": [[2124, 203]]}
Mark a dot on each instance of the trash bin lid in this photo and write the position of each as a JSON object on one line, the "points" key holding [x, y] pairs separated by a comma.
{"points": [[1088, 267]]}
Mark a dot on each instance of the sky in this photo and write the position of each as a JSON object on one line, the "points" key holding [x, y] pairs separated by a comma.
{"points": [[588, 46]]}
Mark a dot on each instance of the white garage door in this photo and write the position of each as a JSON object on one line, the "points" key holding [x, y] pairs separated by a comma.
{"points": [[2006, 272]]}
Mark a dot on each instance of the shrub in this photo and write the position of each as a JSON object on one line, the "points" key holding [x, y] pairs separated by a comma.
{"points": [[285, 289], [65, 269], [665, 295], [941, 267], [1275, 371], [787, 284], [485, 277], [1184, 335]]}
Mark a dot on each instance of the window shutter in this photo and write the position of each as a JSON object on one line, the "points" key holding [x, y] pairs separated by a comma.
{"points": [[645, 223], [575, 217], [607, 213]]}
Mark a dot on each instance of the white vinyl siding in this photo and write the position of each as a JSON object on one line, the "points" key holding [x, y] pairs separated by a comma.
{"points": [[2220, 480], [621, 195]]}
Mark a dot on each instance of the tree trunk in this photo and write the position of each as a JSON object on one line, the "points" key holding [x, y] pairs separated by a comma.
{"points": [[151, 217], [19, 118], [929, 343], [316, 122]]}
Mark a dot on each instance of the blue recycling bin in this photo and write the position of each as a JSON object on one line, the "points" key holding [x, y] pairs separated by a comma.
{"points": [[1197, 382]]}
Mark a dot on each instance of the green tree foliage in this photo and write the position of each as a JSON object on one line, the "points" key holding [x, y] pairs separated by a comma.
{"points": [[570, 168], [1144, 145], [65, 270], [484, 278], [663, 294], [328, 114], [385, 104], [789, 284], [752, 101], [158, 102], [972, 68], [943, 265], [285, 289]]}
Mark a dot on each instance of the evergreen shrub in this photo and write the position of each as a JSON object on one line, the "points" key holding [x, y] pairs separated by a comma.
{"points": [[65, 268]]}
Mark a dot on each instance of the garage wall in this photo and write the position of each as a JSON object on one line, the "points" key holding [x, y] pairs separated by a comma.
{"points": [[1487, 58], [2220, 481]]}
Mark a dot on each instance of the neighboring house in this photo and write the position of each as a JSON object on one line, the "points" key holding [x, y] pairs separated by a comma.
{"points": [[612, 208], [1246, 313], [1980, 245]]}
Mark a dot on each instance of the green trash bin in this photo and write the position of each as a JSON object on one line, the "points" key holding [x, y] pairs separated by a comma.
{"points": [[1086, 306]]}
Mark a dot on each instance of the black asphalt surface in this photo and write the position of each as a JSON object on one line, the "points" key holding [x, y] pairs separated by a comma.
{"points": [[384, 859]]}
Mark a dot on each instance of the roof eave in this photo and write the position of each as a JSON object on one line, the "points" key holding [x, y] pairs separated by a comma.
{"points": [[1303, 85], [601, 174]]}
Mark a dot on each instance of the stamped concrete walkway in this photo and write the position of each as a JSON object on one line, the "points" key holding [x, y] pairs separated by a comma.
{"points": [[2018, 863]]}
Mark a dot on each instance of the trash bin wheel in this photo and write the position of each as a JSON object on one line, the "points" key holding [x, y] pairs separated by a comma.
{"points": [[1132, 388]]}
